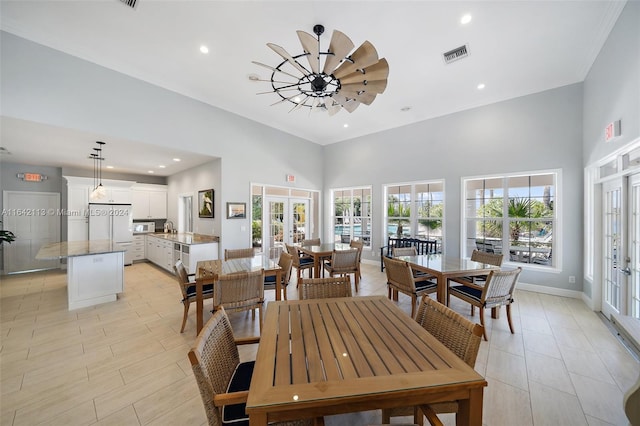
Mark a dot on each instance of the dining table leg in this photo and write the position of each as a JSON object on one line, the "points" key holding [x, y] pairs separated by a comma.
{"points": [[279, 285], [441, 293], [470, 410], [199, 303], [258, 419], [316, 265]]}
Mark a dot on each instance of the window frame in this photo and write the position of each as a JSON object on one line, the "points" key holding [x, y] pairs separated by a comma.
{"points": [[556, 244], [332, 228], [413, 215]]}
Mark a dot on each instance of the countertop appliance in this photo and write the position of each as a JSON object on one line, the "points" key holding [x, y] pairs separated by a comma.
{"points": [[112, 222], [144, 227]]}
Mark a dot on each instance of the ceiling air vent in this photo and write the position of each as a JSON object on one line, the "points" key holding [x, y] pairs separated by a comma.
{"points": [[455, 54], [130, 3]]}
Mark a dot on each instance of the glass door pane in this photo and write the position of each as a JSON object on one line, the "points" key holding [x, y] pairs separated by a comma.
{"points": [[634, 245], [612, 234]]}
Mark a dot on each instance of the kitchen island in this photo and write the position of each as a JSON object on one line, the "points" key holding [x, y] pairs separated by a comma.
{"points": [[165, 249], [95, 270]]}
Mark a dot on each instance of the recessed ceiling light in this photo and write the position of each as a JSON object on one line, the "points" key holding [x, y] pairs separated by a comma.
{"points": [[109, 167], [204, 49], [297, 99], [162, 166], [150, 171], [345, 125], [176, 159], [481, 86], [405, 109], [465, 19]]}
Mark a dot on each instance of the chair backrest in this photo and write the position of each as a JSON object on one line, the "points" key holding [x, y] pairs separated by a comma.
{"points": [[488, 258], [345, 260], [238, 253], [286, 262], [399, 274], [456, 332], [238, 290], [295, 252], [181, 276], [323, 288], [359, 245], [214, 357], [499, 287], [404, 251], [311, 242]]}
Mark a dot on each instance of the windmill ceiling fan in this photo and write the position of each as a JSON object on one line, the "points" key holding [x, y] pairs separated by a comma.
{"points": [[334, 79]]}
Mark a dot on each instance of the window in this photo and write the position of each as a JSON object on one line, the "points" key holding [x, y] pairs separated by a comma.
{"points": [[352, 215], [415, 210], [514, 215]]}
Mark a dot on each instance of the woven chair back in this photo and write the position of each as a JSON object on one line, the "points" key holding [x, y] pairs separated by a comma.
{"points": [[239, 291], [399, 274], [238, 253], [344, 260], [214, 358], [324, 288], [499, 287], [311, 242], [404, 251], [456, 332], [182, 277], [285, 262], [488, 258]]}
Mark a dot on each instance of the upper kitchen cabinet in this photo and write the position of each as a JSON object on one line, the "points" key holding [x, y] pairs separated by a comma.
{"points": [[115, 195], [149, 201]]}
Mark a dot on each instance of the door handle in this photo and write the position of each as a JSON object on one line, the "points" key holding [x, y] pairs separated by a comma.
{"points": [[626, 271]]}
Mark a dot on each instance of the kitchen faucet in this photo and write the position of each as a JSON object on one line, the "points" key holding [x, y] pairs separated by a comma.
{"points": [[168, 226]]}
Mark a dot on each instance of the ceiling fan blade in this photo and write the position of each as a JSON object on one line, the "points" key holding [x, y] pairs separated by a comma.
{"points": [[275, 69], [310, 45], [364, 56], [284, 100], [377, 71], [279, 90], [280, 51], [333, 108], [351, 106], [364, 97], [339, 47], [376, 86], [300, 105]]}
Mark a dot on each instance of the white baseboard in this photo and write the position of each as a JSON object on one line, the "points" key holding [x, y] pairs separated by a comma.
{"points": [[574, 294]]}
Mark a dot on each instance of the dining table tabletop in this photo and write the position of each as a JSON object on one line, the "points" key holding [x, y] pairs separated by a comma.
{"points": [[207, 272], [445, 267], [321, 252], [322, 357]]}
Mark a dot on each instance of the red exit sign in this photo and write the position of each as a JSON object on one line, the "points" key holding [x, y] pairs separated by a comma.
{"points": [[31, 177], [612, 130]]}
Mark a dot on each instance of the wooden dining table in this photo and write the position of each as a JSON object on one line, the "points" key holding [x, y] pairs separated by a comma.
{"points": [[321, 252], [207, 272], [330, 356], [445, 267]]}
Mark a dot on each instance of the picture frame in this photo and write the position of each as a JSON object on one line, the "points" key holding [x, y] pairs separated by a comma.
{"points": [[205, 203], [236, 210]]}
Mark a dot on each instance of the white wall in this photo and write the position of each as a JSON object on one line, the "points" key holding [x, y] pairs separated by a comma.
{"points": [[536, 132]]}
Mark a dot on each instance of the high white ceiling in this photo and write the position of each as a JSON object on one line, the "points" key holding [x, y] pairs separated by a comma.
{"points": [[516, 48]]}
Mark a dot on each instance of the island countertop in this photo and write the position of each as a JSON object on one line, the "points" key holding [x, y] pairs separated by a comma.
{"points": [[184, 238], [66, 249]]}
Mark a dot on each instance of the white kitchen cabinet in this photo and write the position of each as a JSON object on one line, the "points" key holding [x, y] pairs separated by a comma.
{"points": [[149, 202], [117, 195], [138, 248], [191, 254], [160, 252], [76, 210]]}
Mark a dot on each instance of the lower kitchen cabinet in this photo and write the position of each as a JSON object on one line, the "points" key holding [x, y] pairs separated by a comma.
{"points": [[138, 248], [166, 251]]}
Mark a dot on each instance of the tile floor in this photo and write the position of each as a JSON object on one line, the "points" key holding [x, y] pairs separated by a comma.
{"points": [[125, 363]]}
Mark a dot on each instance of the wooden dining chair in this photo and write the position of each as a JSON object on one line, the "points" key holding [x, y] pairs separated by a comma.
{"points": [[480, 256], [238, 253], [496, 292], [400, 278], [460, 336], [344, 262], [324, 288], [188, 290], [285, 262], [240, 291], [222, 379], [358, 244], [300, 261]]}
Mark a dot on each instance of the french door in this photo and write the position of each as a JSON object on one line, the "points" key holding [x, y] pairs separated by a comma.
{"points": [[621, 246], [287, 222]]}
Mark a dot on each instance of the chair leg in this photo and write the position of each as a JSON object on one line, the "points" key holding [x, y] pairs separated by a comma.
{"points": [[260, 317], [390, 296], [357, 280], [418, 417], [184, 317], [484, 329], [386, 418], [284, 291], [473, 312], [414, 300], [509, 318]]}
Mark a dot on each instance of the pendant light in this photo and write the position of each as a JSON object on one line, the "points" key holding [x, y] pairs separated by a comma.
{"points": [[99, 192]]}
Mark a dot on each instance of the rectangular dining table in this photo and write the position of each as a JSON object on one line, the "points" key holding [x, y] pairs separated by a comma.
{"points": [[321, 357], [321, 252], [445, 267], [207, 272]]}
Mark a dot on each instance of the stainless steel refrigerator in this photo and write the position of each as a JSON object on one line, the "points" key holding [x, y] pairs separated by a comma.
{"points": [[112, 222]]}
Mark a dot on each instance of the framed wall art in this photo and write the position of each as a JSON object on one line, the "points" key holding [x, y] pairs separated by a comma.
{"points": [[205, 203], [236, 210]]}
